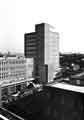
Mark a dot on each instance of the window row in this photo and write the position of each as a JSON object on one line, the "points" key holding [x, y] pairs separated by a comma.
{"points": [[17, 62], [4, 76], [12, 62], [13, 68], [3, 69]]}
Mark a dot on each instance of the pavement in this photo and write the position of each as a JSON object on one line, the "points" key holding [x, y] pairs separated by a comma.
{"points": [[9, 115]]}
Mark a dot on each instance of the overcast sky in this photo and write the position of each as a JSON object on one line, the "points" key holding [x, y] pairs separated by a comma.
{"points": [[20, 16]]}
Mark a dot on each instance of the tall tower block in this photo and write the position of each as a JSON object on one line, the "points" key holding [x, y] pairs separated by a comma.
{"points": [[43, 46]]}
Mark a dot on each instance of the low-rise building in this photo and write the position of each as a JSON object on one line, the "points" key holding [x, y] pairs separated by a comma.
{"points": [[12, 68], [15, 71]]}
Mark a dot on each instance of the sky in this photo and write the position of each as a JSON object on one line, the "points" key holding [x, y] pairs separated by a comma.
{"points": [[18, 17]]}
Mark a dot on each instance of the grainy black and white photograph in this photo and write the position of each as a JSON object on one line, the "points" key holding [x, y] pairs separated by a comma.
{"points": [[41, 60]]}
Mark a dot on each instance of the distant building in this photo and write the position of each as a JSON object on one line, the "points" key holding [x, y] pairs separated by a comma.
{"points": [[12, 68], [14, 71], [43, 46]]}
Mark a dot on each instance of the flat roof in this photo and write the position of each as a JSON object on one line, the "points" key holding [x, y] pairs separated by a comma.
{"points": [[3, 84], [68, 87]]}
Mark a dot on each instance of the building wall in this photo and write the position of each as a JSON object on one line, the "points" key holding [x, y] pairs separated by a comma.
{"points": [[43, 73], [41, 69], [40, 47], [12, 68], [51, 51], [29, 68], [30, 45], [30, 50], [43, 46], [14, 71]]}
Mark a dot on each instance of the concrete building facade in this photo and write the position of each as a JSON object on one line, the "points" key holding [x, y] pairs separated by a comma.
{"points": [[12, 68], [51, 51], [43, 46], [14, 71]]}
